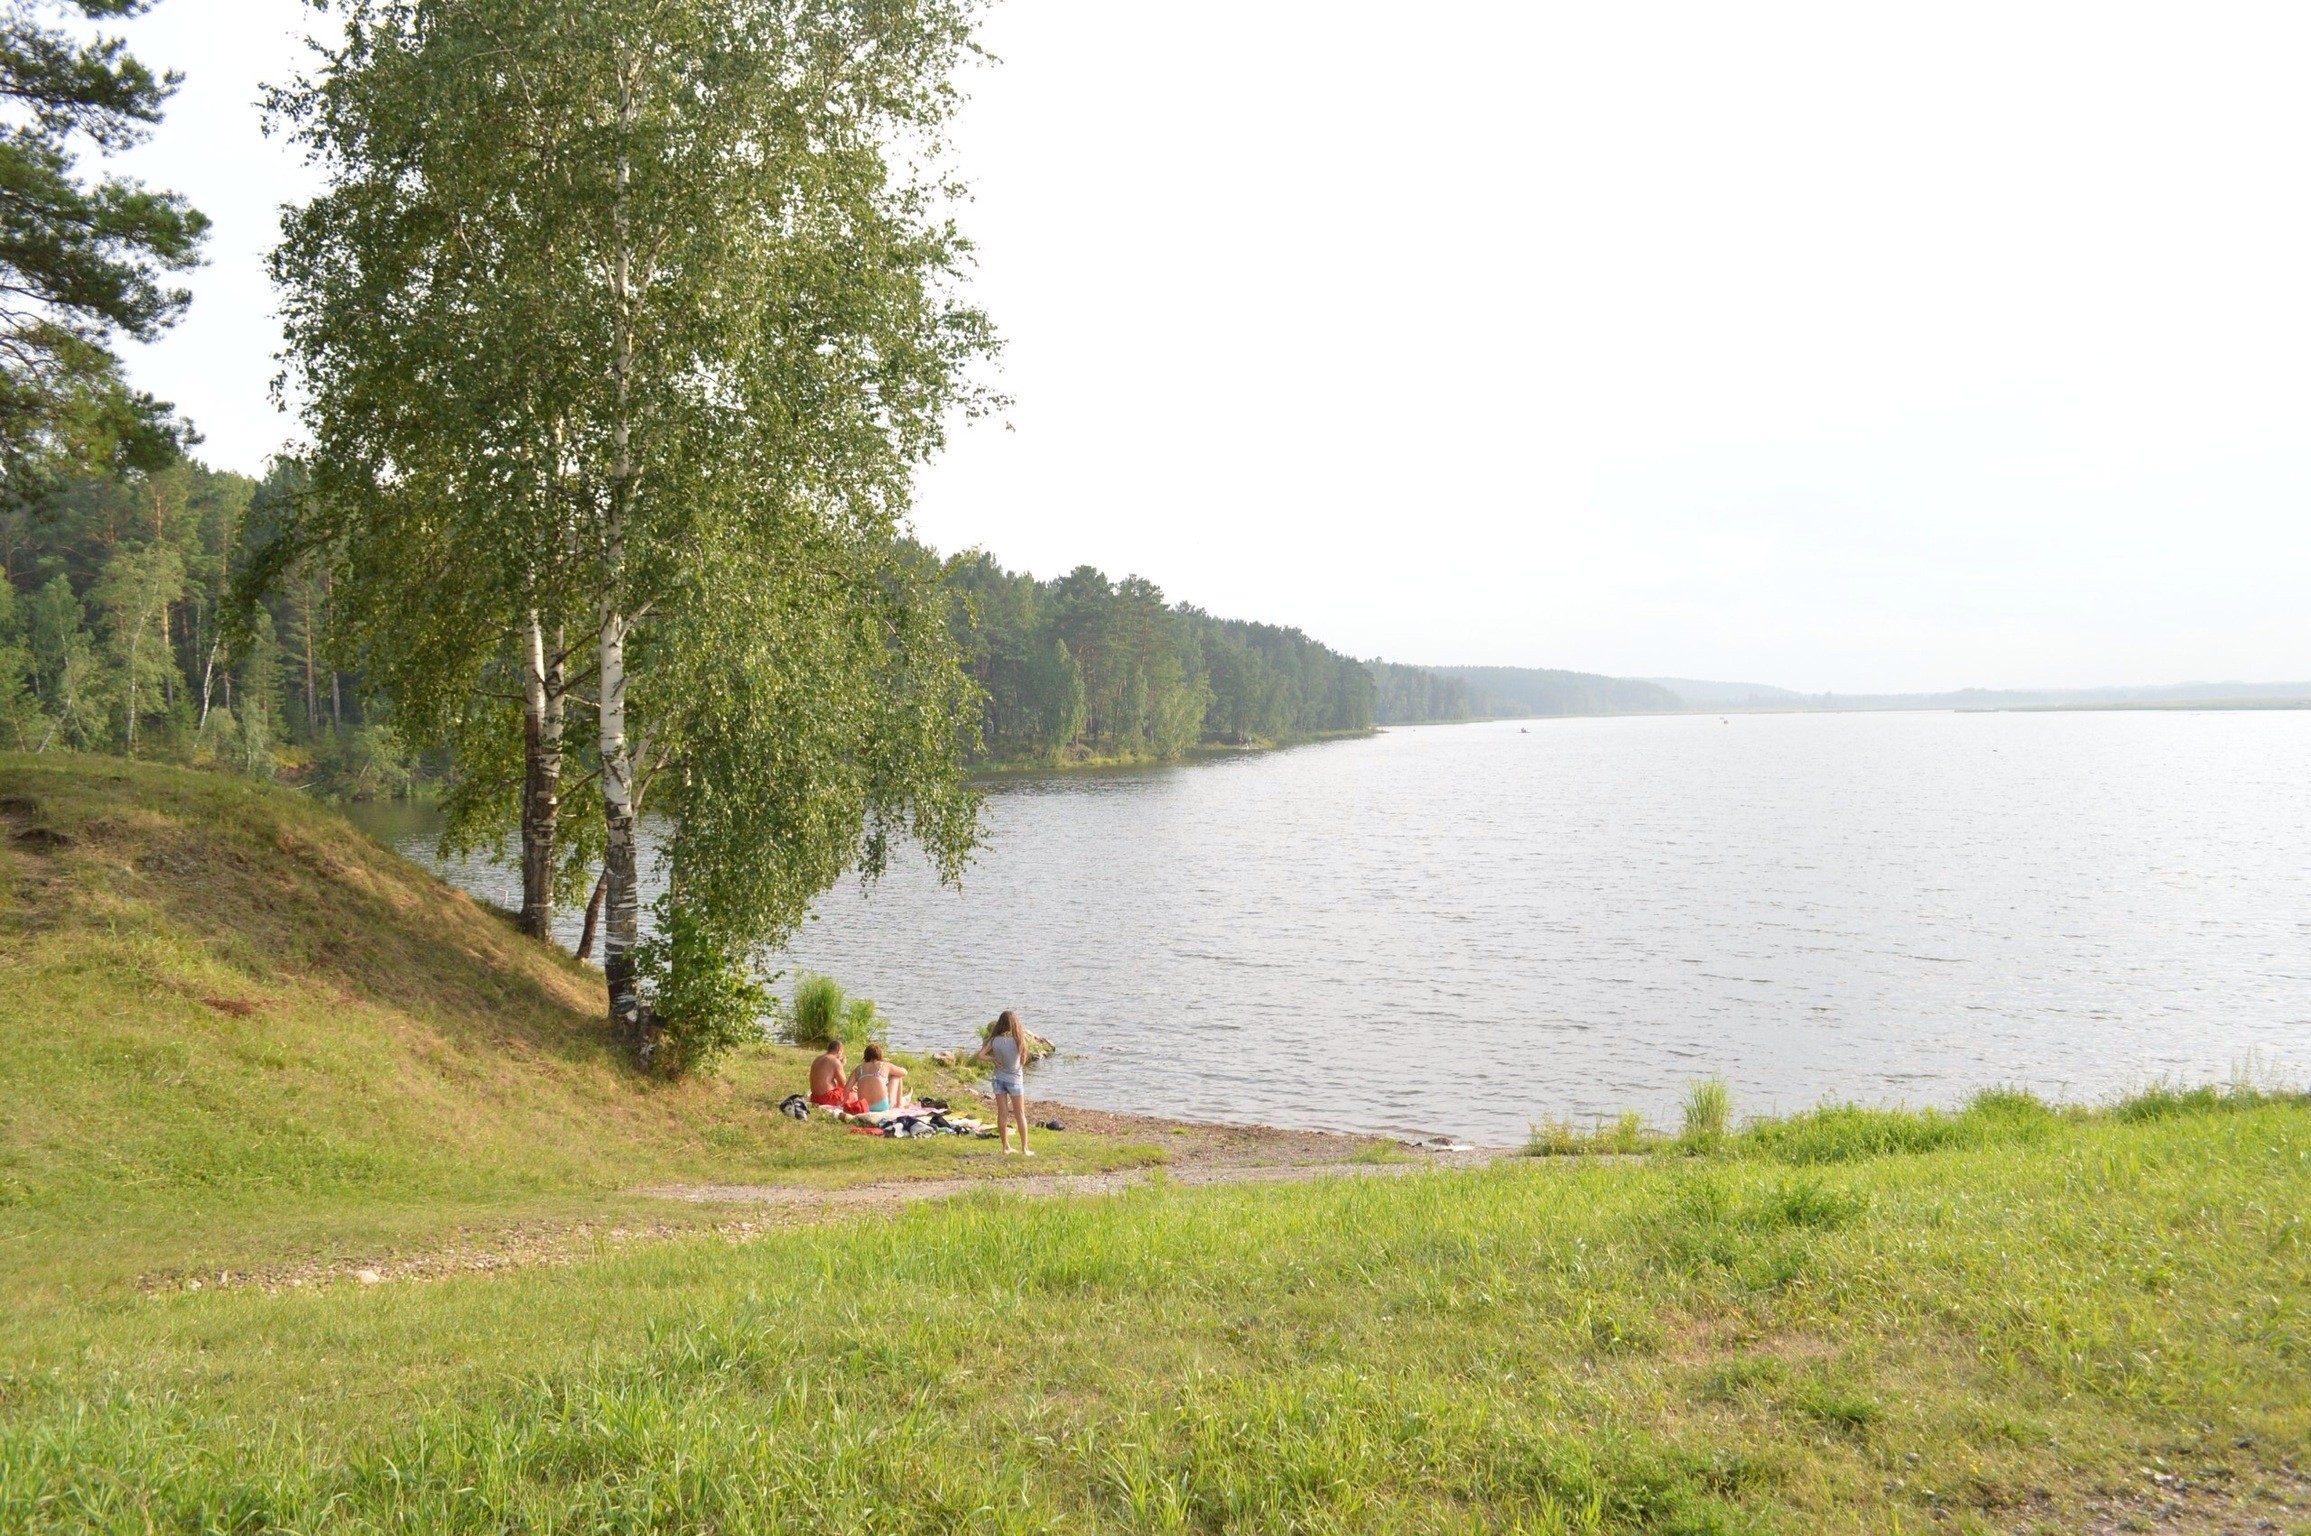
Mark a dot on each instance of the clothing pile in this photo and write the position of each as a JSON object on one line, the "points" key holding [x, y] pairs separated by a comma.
{"points": [[929, 1118], [918, 1120]]}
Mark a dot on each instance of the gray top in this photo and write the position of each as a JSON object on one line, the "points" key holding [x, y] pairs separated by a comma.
{"points": [[1006, 1049]]}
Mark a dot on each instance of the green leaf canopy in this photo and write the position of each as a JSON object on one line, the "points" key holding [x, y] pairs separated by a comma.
{"points": [[639, 318]]}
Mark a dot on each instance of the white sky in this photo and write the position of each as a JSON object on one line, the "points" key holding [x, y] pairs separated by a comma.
{"points": [[1841, 346]]}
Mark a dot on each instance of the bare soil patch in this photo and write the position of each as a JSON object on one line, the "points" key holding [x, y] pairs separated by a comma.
{"points": [[1197, 1153]]}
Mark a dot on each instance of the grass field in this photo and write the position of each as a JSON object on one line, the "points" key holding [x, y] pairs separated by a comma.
{"points": [[2009, 1318]]}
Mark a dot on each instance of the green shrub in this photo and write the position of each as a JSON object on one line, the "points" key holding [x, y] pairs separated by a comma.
{"points": [[2166, 1101], [1806, 1202], [1839, 1133], [1555, 1138], [700, 984], [1838, 1407], [364, 762]]}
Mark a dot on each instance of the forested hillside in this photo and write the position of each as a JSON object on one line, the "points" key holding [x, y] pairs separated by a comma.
{"points": [[1405, 695], [1081, 667], [117, 634], [1515, 691]]}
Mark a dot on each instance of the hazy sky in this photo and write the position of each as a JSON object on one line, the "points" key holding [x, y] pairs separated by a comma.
{"points": [[1839, 346]]}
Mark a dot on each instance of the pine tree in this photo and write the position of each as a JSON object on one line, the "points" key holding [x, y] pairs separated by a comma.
{"points": [[81, 264]]}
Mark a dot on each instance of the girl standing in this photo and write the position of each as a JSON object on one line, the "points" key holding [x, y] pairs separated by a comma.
{"points": [[1006, 1047]]}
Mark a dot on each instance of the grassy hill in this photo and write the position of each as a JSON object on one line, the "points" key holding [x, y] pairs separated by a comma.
{"points": [[233, 1029]]}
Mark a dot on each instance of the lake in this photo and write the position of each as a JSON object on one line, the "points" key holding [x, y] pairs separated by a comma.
{"points": [[1464, 929]]}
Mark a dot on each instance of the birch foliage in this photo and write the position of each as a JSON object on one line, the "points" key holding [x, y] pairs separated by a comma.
{"points": [[639, 318]]}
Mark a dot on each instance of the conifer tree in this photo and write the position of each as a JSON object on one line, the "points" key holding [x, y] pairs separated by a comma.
{"points": [[81, 263]]}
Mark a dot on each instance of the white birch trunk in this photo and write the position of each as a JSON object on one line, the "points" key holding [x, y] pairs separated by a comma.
{"points": [[622, 913], [541, 777], [622, 917], [208, 680], [135, 643]]}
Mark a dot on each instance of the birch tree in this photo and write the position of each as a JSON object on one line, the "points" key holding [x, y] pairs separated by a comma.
{"points": [[134, 596], [639, 319]]}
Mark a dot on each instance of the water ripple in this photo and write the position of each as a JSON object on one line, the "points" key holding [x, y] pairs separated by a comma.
{"points": [[1466, 928]]}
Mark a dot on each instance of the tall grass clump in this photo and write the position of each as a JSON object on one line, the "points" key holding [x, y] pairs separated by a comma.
{"points": [[1708, 1112], [822, 1011], [1844, 1133], [1626, 1136], [818, 1012], [2171, 1101]]}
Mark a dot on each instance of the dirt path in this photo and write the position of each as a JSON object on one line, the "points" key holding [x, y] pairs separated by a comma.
{"points": [[907, 1191], [1195, 1153]]}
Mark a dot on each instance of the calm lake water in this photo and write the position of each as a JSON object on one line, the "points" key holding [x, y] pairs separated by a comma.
{"points": [[1464, 929]]}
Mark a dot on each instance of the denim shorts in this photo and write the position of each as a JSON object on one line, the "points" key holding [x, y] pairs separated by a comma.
{"points": [[1011, 1083]]}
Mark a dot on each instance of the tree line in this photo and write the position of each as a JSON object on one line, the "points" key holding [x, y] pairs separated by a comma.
{"points": [[1081, 668], [120, 632]]}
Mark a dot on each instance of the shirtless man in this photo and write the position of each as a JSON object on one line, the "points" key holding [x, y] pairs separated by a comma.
{"points": [[883, 1084], [827, 1071]]}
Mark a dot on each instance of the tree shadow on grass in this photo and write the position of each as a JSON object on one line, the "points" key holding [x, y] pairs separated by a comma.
{"points": [[284, 890]]}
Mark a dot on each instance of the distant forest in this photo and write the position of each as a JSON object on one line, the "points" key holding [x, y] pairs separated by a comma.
{"points": [[1416, 695], [1516, 691], [1082, 668], [116, 636]]}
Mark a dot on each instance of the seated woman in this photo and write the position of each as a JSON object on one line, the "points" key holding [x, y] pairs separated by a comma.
{"points": [[827, 1074], [883, 1084]]}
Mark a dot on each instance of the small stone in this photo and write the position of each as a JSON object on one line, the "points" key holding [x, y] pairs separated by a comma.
{"points": [[367, 1276]]}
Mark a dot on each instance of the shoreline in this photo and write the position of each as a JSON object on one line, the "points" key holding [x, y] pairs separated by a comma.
{"points": [[1235, 1140], [1201, 752]]}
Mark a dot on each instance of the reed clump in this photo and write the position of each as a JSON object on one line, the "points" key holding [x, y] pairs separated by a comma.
{"points": [[1708, 1110], [821, 1012], [817, 1011], [1626, 1135]]}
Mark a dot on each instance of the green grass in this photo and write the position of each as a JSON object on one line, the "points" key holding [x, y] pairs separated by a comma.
{"points": [[1983, 1337], [236, 1032], [1840, 1133], [1997, 1319]]}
